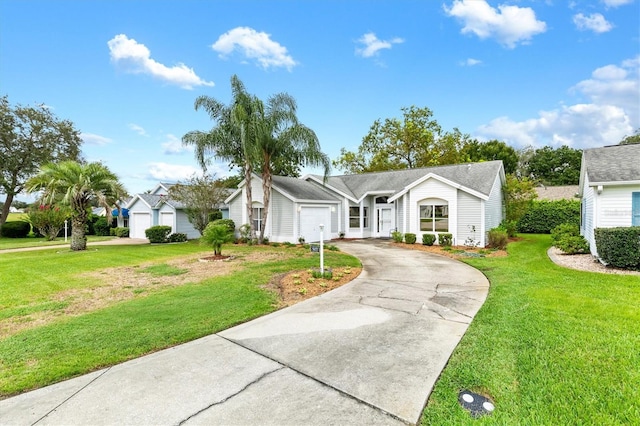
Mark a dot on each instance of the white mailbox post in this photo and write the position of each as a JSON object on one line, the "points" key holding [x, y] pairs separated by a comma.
{"points": [[322, 249]]}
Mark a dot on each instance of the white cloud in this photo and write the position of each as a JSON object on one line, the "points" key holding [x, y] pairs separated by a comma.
{"points": [[171, 172], [616, 3], [610, 113], [173, 146], [509, 25], [136, 58], [470, 62], [594, 22], [138, 129], [372, 45], [254, 45], [93, 139]]}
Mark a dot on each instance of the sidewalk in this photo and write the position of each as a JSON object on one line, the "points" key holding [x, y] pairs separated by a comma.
{"points": [[367, 353]]}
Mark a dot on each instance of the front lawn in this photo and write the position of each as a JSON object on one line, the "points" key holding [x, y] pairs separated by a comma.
{"points": [[41, 287], [550, 345], [16, 243]]}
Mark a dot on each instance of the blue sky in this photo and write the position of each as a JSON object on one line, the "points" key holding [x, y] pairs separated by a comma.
{"points": [[127, 73]]}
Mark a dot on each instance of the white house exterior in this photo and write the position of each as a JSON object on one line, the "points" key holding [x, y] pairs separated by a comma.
{"points": [[465, 200], [609, 189], [157, 208]]}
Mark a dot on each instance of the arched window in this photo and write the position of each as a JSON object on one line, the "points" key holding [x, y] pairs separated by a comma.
{"points": [[434, 215]]}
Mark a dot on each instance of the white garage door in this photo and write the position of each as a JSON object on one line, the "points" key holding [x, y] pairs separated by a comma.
{"points": [[310, 219], [140, 222], [166, 219]]}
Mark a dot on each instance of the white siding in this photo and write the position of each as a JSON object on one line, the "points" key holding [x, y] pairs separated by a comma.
{"points": [[587, 210], [614, 206], [469, 219], [335, 215], [236, 209], [281, 212], [399, 214], [432, 188], [493, 207]]}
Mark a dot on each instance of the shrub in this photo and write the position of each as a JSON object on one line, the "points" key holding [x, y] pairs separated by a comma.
{"points": [[397, 236], [565, 229], [245, 233], [215, 235], [331, 247], [445, 239], [177, 237], [409, 238], [301, 240], [231, 226], [48, 220], [121, 232], [102, 226], [215, 215], [327, 274], [428, 239], [545, 215], [573, 244], [16, 229], [158, 234], [619, 247], [511, 226], [498, 238]]}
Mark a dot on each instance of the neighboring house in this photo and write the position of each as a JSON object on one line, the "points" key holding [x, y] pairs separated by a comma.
{"points": [[121, 220], [609, 189], [555, 193], [465, 200]]}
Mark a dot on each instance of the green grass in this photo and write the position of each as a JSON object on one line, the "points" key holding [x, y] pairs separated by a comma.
{"points": [[550, 345], [74, 345], [16, 243], [163, 270]]}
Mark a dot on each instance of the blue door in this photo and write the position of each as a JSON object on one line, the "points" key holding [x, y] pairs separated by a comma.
{"points": [[635, 209]]}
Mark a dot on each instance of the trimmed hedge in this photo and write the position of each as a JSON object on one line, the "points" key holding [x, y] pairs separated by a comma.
{"points": [[428, 239], [397, 236], [158, 234], [177, 237], [409, 238], [15, 229], [619, 247], [120, 232], [445, 239], [102, 227], [545, 215]]}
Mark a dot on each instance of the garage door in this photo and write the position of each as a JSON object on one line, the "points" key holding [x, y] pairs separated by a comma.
{"points": [[140, 222], [310, 219], [166, 219]]}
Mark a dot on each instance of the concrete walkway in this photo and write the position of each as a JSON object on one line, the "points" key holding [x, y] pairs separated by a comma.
{"points": [[367, 353]]}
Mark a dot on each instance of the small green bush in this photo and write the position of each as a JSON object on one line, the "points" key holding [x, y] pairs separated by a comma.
{"points": [[619, 247], [15, 229], [565, 229], [397, 236], [511, 226], [245, 233], [567, 238], [121, 232], [409, 238], [327, 274], [428, 239], [445, 239], [545, 215], [102, 227], [331, 247], [215, 235], [215, 215], [177, 237], [498, 238], [231, 226], [158, 234]]}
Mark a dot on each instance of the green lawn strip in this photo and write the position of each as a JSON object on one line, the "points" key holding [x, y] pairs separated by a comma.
{"points": [[76, 345], [16, 243], [550, 345], [163, 270]]}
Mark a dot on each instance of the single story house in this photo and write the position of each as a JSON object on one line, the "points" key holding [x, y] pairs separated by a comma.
{"points": [[465, 200], [609, 189]]}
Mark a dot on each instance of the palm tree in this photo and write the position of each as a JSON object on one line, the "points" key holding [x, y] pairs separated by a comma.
{"points": [[77, 185], [231, 139], [279, 135]]}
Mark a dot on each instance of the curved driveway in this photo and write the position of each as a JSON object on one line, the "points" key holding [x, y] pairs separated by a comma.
{"points": [[366, 353]]}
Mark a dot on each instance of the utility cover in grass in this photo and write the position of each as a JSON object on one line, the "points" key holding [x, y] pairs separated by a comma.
{"points": [[477, 405]]}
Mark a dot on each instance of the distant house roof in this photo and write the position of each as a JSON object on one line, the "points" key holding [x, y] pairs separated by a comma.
{"points": [[553, 193], [611, 164]]}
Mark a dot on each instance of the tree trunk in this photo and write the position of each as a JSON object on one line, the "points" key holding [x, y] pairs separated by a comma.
{"points": [[266, 191], [78, 239], [247, 187], [5, 209]]}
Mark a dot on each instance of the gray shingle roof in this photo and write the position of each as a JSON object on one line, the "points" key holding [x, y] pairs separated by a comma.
{"points": [[301, 189], [617, 163], [553, 193], [475, 176]]}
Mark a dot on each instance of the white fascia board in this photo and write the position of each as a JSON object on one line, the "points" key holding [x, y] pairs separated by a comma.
{"points": [[381, 192], [618, 183]]}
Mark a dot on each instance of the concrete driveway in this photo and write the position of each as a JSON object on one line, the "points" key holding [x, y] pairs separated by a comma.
{"points": [[366, 353]]}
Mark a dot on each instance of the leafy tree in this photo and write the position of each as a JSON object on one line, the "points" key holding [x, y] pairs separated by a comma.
{"points": [[231, 139], [519, 194], [559, 166], [630, 140], [77, 185], [29, 138], [280, 137], [215, 235], [416, 140], [48, 219], [201, 196], [492, 150]]}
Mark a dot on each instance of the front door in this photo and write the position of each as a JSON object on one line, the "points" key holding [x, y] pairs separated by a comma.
{"points": [[385, 222]]}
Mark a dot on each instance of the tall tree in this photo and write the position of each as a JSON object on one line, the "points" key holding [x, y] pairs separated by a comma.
{"points": [[29, 138], [77, 185], [519, 194], [416, 140], [492, 150], [201, 196], [230, 139], [630, 140], [559, 166], [281, 137]]}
